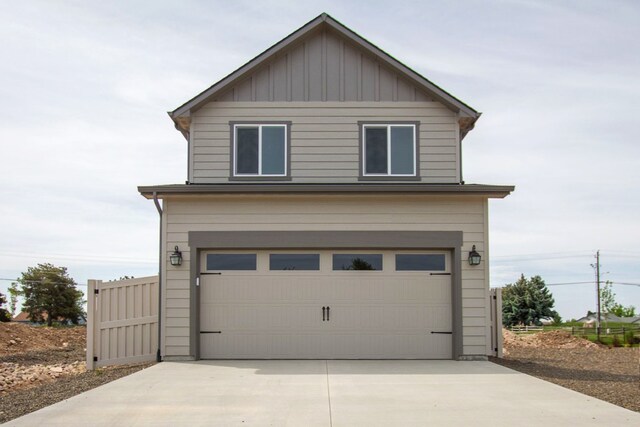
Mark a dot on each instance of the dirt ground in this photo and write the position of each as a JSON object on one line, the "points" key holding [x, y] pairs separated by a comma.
{"points": [[610, 374], [40, 366]]}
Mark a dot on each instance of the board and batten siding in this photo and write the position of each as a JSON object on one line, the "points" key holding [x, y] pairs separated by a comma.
{"points": [[325, 139], [324, 66], [317, 213]]}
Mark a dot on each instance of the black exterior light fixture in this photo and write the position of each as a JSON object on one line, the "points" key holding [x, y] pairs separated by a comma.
{"points": [[176, 257], [474, 256]]}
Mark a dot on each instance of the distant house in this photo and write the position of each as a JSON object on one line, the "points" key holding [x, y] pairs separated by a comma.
{"points": [[21, 317], [609, 317]]}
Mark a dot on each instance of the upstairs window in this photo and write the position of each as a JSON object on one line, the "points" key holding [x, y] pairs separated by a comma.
{"points": [[259, 150], [389, 150]]}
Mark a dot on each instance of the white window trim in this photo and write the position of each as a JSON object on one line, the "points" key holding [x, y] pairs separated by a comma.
{"points": [[364, 149], [259, 126]]}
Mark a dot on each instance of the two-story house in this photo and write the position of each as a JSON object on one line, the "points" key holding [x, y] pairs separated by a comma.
{"points": [[325, 214]]}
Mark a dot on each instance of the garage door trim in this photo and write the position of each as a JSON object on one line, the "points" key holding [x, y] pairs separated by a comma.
{"points": [[265, 240]]}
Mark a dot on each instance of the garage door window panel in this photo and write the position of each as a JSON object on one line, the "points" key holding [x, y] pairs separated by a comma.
{"points": [[357, 262], [297, 262], [231, 262], [420, 262]]}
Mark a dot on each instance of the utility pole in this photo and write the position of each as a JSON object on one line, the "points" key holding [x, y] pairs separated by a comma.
{"points": [[598, 291]]}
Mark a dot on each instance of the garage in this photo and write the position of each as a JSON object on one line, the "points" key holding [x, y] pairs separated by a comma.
{"points": [[325, 304]]}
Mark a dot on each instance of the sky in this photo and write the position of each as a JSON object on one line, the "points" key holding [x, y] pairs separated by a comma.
{"points": [[85, 86]]}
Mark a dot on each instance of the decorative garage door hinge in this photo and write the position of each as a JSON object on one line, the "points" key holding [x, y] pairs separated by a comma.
{"points": [[440, 274], [438, 332], [96, 291], [210, 332], [210, 274]]}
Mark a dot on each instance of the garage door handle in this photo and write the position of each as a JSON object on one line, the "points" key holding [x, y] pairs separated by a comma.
{"points": [[323, 313], [328, 312]]}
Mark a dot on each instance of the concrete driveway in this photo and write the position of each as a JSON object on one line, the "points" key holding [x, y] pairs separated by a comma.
{"points": [[330, 393]]}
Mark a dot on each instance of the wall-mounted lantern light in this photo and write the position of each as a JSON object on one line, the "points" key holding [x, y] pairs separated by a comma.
{"points": [[176, 257], [474, 256]]}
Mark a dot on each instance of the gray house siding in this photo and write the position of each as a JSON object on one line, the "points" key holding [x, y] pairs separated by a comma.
{"points": [[332, 213], [324, 137], [324, 67]]}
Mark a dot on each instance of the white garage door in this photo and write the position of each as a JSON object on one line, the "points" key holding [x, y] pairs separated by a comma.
{"points": [[325, 304]]}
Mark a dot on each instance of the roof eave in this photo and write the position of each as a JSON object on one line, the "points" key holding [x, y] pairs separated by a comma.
{"points": [[492, 191]]}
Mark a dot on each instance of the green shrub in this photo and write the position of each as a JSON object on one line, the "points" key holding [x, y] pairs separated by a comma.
{"points": [[630, 338], [616, 341]]}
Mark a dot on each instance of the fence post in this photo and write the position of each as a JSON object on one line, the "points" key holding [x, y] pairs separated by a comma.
{"points": [[91, 320]]}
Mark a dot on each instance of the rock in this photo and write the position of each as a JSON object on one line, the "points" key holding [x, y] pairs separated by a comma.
{"points": [[65, 344], [55, 369], [12, 342]]}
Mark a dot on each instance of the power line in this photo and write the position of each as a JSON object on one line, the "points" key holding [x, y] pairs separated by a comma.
{"points": [[42, 281], [87, 258], [568, 283]]}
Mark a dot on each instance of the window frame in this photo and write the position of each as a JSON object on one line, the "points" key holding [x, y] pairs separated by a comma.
{"points": [[363, 176], [234, 176]]}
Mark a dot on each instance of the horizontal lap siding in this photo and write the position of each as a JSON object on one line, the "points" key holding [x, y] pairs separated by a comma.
{"points": [[324, 137], [322, 212]]}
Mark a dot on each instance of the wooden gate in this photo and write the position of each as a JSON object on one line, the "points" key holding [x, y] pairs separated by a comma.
{"points": [[122, 321]]}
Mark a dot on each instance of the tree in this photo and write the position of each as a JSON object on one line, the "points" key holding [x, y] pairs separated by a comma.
{"points": [[622, 311], [609, 304], [50, 295], [527, 301], [5, 316], [607, 297], [13, 298]]}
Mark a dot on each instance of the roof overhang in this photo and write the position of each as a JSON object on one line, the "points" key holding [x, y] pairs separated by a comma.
{"points": [[468, 116], [163, 191]]}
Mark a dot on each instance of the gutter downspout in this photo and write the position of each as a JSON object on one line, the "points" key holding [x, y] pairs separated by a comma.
{"points": [[159, 208]]}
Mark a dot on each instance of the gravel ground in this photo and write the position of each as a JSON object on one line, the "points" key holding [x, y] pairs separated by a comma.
{"points": [[30, 346], [21, 402], [58, 355], [612, 374]]}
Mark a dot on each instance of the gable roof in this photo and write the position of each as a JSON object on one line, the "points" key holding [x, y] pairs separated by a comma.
{"points": [[181, 115]]}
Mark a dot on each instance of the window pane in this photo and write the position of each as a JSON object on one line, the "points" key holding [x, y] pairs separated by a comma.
{"points": [[357, 262], [273, 150], [231, 261], [247, 150], [402, 152], [294, 262], [375, 150], [420, 262]]}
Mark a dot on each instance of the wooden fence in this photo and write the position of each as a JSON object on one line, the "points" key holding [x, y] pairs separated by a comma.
{"points": [[578, 330], [122, 321]]}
